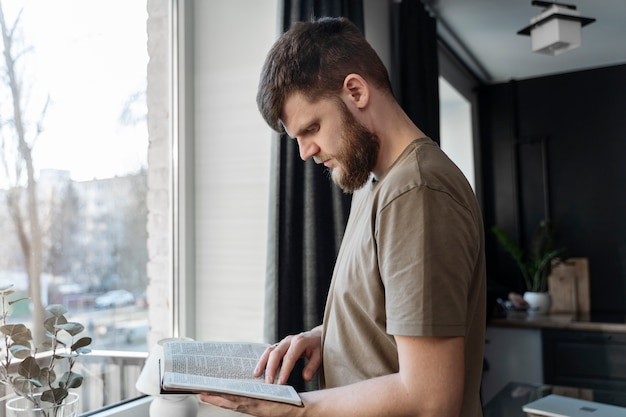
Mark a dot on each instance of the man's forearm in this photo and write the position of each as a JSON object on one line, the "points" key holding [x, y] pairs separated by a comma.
{"points": [[383, 396]]}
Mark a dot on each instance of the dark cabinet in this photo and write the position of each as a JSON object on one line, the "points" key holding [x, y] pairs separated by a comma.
{"points": [[585, 359]]}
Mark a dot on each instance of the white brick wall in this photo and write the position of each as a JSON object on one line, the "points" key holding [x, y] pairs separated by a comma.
{"points": [[159, 292]]}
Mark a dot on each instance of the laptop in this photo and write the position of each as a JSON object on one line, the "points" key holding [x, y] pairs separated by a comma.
{"points": [[559, 406]]}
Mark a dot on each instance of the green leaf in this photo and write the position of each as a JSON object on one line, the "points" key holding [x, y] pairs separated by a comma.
{"points": [[508, 243], [50, 323], [20, 351], [55, 395], [29, 368], [17, 332], [21, 385], [57, 310], [74, 380], [35, 382], [48, 374], [81, 343], [535, 263], [5, 288], [73, 328]]}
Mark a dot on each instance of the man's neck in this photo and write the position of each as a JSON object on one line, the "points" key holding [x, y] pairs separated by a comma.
{"points": [[395, 131]]}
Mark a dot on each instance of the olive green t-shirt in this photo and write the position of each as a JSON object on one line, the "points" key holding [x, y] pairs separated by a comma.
{"points": [[411, 263]]}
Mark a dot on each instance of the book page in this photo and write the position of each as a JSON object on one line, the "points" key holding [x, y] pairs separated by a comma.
{"points": [[261, 390], [221, 360]]}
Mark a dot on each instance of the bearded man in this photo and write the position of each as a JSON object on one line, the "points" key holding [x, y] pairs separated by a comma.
{"points": [[404, 325]]}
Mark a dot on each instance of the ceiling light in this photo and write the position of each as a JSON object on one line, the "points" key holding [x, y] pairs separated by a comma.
{"points": [[556, 29]]}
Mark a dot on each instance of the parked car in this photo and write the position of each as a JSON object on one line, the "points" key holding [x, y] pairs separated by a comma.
{"points": [[115, 298]]}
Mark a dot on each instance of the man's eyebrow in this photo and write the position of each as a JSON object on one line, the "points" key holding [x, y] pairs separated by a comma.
{"points": [[315, 120], [306, 127], [285, 129]]}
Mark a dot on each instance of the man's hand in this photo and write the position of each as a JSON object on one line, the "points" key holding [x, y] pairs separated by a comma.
{"points": [[286, 353], [246, 405]]}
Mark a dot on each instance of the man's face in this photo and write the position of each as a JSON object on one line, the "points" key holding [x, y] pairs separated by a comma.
{"points": [[328, 132]]}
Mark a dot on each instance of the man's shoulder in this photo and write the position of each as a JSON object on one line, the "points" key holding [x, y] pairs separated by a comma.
{"points": [[420, 164], [423, 166]]}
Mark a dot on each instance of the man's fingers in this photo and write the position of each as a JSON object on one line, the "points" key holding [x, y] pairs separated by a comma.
{"points": [[285, 354], [221, 401], [295, 350], [274, 358], [262, 364], [311, 367]]}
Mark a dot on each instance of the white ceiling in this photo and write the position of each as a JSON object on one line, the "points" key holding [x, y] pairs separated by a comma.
{"points": [[484, 35]]}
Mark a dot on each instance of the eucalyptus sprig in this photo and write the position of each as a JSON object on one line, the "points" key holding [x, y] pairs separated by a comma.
{"points": [[62, 345]]}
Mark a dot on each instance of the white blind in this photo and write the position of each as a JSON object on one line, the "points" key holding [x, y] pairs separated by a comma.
{"points": [[232, 162]]}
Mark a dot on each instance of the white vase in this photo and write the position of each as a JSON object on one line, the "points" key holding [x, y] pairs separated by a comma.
{"points": [[23, 407], [538, 302], [174, 405]]}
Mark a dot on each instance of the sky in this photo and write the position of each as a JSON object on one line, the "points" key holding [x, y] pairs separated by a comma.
{"points": [[90, 58]]}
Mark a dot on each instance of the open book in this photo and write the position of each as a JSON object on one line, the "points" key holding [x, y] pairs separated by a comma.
{"points": [[220, 367]]}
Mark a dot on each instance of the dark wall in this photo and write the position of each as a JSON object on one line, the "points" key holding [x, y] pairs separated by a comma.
{"points": [[556, 147]]}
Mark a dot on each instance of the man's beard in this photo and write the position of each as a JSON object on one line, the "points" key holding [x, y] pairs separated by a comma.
{"points": [[357, 156]]}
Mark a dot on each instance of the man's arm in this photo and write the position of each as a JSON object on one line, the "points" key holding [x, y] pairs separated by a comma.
{"points": [[430, 383]]}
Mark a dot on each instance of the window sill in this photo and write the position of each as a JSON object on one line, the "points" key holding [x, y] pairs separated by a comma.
{"points": [[134, 408], [140, 407]]}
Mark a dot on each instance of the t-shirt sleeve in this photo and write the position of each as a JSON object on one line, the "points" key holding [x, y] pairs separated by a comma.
{"points": [[426, 249]]}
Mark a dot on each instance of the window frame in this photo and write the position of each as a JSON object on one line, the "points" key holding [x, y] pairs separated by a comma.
{"points": [[459, 76], [183, 167]]}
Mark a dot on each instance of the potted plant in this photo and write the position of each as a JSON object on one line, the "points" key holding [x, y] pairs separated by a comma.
{"points": [[42, 390], [535, 263]]}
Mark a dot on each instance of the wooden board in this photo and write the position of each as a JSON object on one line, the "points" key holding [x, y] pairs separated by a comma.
{"points": [[568, 285]]}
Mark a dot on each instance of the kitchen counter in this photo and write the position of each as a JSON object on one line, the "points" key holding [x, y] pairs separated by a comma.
{"points": [[596, 322]]}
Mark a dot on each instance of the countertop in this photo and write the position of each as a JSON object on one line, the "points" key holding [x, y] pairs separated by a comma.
{"points": [[597, 322]]}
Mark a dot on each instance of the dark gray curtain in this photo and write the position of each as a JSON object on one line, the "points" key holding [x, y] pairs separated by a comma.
{"points": [[415, 67], [308, 214]]}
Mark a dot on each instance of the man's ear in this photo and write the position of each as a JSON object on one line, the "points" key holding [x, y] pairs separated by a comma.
{"points": [[357, 90]]}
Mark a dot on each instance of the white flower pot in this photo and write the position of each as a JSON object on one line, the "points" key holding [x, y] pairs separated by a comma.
{"points": [[538, 302]]}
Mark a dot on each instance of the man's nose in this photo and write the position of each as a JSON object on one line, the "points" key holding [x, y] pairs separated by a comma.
{"points": [[307, 148]]}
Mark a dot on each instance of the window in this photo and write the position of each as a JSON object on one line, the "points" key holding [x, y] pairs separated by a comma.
{"points": [[458, 115], [77, 141], [456, 128], [117, 214]]}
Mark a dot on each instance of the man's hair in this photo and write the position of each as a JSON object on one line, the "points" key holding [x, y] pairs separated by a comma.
{"points": [[313, 58]]}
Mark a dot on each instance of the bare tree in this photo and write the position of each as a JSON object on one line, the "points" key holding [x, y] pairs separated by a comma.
{"points": [[18, 140]]}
